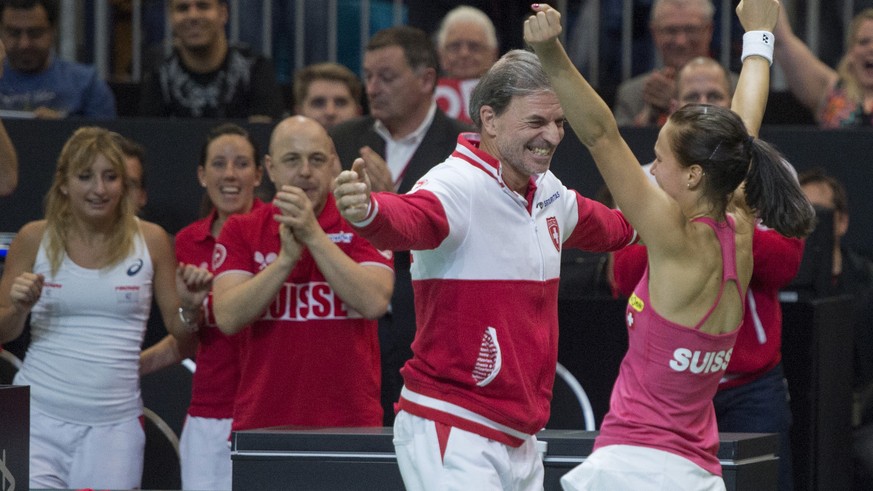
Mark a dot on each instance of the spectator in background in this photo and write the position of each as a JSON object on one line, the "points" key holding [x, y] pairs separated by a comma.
{"points": [[327, 92], [404, 124], [204, 76], [134, 165], [853, 275], [406, 127], [837, 98], [682, 30], [86, 275], [507, 17], [305, 290], [230, 170], [702, 80], [467, 45], [35, 81], [8, 156], [852, 272]]}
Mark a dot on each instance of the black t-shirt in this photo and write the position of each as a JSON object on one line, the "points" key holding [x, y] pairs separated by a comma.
{"points": [[244, 85]]}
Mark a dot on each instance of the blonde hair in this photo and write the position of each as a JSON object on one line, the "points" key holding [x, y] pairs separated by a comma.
{"points": [[844, 69], [78, 154]]}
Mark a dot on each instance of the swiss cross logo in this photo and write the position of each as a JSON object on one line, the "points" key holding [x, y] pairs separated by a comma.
{"points": [[554, 232], [219, 254]]}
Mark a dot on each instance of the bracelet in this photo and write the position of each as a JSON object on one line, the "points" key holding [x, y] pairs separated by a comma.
{"points": [[758, 43], [190, 318]]}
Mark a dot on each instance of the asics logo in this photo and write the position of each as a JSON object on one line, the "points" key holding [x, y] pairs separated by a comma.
{"points": [[135, 267]]}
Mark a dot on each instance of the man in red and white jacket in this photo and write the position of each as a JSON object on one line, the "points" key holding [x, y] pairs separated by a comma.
{"points": [[486, 228]]}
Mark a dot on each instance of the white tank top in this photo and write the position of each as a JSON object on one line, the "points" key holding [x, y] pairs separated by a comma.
{"points": [[86, 334]]}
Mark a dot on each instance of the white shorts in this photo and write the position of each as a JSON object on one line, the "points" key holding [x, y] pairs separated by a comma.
{"points": [[69, 455], [631, 467], [204, 449], [469, 461]]}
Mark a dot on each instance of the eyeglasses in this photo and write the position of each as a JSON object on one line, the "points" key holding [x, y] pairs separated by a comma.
{"points": [[674, 31], [711, 97], [472, 46]]}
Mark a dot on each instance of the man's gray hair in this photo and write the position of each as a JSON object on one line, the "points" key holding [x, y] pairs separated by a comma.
{"points": [[517, 73], [465, 13]]}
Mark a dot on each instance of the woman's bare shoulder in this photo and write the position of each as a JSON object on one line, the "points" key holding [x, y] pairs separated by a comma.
{"points": [[32, 232]]}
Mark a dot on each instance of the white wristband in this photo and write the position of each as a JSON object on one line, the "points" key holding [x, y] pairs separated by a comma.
{"points": [[758, 43], [372, 209]]}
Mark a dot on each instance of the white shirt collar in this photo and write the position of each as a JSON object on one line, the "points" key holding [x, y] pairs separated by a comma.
{"points": [[414, 137], [398, 152]]}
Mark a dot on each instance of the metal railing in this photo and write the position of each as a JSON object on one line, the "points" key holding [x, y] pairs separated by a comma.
{"points": [[72, 32]]}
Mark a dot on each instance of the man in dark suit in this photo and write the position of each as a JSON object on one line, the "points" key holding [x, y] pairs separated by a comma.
{"points": [[404, 135]]}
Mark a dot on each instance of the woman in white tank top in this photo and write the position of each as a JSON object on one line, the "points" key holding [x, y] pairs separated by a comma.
{"points": [[86, 275]]}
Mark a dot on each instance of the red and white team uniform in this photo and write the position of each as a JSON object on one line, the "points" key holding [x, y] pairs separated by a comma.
{"points": [[204, 449], [309, 360], [662, 398], [485, 271]]}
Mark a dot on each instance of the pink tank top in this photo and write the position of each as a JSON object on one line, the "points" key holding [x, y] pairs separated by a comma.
{"points": [[662, 398]]}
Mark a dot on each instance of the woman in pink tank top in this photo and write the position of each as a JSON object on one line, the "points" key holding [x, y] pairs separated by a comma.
{"points": [[697, 222]]}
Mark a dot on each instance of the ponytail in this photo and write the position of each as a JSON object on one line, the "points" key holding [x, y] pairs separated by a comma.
{"points": [[716, 139], [774, 193]]}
